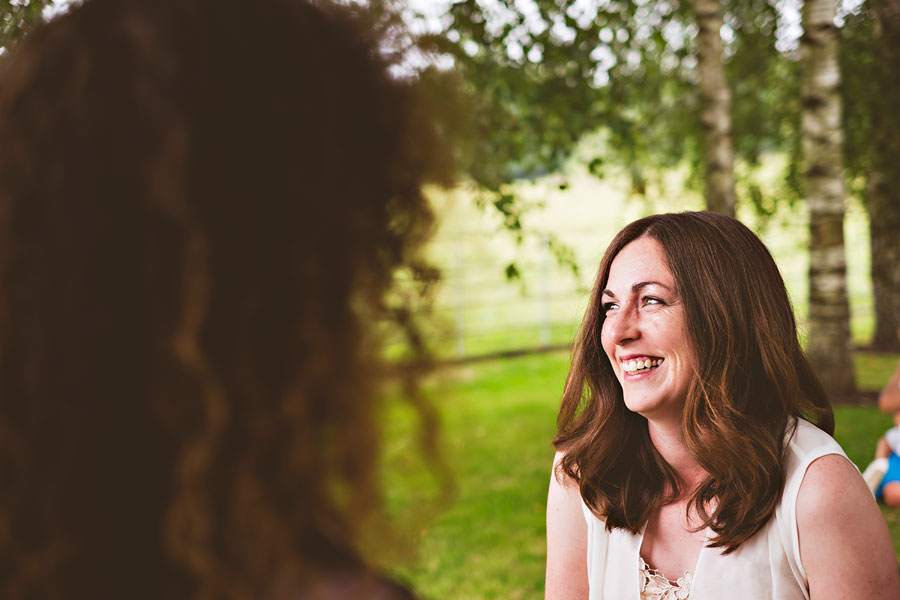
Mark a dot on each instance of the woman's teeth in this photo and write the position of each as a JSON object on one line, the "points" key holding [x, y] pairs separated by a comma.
{"points": [[640, 365]]}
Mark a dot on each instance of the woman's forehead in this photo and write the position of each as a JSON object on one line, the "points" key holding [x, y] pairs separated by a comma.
{"points": [[640, 263]]}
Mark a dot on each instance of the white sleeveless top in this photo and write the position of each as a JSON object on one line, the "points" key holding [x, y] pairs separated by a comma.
{"points": [[766, 566]]}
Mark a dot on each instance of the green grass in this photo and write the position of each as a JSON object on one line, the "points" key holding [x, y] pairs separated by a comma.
{"points": [[873, 369], [498, 420]]}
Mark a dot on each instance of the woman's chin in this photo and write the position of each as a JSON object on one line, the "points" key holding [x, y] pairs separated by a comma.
{"points": [[654, 408]]}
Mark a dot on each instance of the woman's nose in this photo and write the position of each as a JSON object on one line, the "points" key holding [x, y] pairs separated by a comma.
{"points": [[625, 325]]}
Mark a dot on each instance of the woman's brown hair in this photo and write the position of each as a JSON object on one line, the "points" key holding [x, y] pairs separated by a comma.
{"points": [[203, 207], [751, 381]]}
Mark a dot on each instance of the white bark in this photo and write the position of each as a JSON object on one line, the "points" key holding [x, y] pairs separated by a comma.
{"points": [[829, 346], [715, 109]]}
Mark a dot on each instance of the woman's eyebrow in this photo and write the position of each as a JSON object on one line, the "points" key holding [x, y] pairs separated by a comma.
{"points": [[636, 288]]}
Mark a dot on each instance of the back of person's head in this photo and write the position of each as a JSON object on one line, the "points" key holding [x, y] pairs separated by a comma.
{"points": [[202, 206]]}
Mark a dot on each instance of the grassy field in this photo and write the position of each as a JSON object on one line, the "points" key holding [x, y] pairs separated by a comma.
{"points": [[498, 419]]}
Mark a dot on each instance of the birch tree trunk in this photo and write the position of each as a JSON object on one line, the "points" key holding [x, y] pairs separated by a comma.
{"points": [[715, 109], [828, 347], [883, 188]]}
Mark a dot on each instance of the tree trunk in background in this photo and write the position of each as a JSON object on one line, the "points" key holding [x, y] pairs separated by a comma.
{"points": [[715, 109], [883, 188], [829, 347]]}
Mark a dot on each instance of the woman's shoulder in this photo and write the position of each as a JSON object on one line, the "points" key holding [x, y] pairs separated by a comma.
{"points": [[826, 480], [806, 443], [844, 544], [805, 448], [808, 452]]}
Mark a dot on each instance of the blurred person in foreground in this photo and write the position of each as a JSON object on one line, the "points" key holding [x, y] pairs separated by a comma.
{"points": [[883, 474], [694, 451], [203, 204]]}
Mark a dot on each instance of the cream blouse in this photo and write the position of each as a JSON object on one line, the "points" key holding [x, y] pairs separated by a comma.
{"points": [[767, 565]]}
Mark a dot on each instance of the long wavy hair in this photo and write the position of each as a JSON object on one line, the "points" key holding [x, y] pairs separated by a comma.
{"points": [[204, 205], [751, 381]]}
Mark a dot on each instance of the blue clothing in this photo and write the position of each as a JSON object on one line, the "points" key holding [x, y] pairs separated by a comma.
{"points": [[892, 474]]}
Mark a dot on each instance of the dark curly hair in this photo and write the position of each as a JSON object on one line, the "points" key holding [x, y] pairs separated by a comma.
{"points": [[752, 381], [204, 205]]}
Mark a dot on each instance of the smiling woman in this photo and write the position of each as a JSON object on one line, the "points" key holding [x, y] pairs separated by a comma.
{"points": [[694, 449]]}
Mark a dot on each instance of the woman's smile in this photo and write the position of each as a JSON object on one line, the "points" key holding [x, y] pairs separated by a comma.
{"points": [[641, 365]]}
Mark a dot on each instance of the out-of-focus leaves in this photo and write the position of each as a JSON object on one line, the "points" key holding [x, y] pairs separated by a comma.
{"points": [[508, 207], [532, 85], [535, 84], [512, 272], [595, 167], [859, 90], [18, 18], [565, 256]]}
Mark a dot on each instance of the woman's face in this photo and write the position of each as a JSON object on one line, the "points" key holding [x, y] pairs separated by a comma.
{"points": [[645, 332]]}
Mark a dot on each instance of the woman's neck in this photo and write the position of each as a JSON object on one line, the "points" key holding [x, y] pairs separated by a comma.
{"points": [[669, 442]]}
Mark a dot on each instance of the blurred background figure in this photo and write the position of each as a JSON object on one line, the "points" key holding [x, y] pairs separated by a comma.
{"points": [[883, 474], [202, 208]]}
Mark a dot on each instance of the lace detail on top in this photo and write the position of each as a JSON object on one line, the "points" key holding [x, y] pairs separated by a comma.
{"points": [[655, 586]]}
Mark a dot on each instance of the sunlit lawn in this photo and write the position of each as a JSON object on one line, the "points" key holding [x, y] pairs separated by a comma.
{"points": [[498, 419]]}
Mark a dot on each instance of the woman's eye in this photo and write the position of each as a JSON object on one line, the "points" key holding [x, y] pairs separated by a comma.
{"points": [[608, 306], [652, 300]]}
